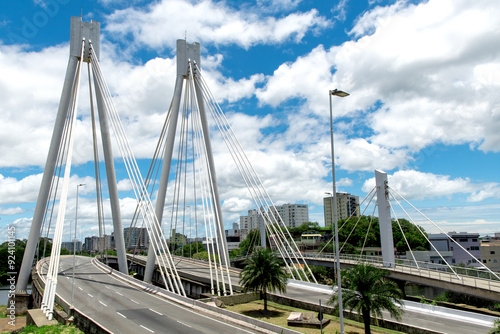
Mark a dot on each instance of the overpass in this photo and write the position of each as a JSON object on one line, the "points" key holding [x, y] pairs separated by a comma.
{"points": [[471, 281], [442, 320]]}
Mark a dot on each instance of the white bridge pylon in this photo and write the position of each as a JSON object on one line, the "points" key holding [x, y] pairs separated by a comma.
{"points": [[84, 48], [188, 173]]}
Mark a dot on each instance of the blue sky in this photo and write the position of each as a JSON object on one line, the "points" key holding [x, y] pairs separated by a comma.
{"points": [[424, 78]]}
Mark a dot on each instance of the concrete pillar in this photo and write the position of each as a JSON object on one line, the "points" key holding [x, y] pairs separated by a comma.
{"points": [[78, 30], [384, 217]]}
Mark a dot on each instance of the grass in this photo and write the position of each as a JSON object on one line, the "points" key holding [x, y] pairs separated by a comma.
{"points": [[277, 315], [56, 329], [3, 311]]}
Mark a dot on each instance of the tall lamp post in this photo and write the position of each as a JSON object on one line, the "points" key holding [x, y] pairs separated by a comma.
{"points": [[338, 93], [74, 246]]}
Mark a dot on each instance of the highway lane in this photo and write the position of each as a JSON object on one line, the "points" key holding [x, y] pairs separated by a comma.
{"points": [[438, 322], [411, 317], [122, 308]]}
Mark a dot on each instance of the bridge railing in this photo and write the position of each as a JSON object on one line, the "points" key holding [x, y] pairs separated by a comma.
{"points": [[467, 276]]}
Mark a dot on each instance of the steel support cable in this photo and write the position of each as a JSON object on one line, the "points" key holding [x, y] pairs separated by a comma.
{"points": [[100, 211], [154, 169], [54, 184], [251, 183], [364, 199], [425, 236], [404, 236], [253, 177], [278, 232], [137, 182], [178, 174], [129, 166], [331, 239], [355, 225], [197, 143], [368, 231], [252, 188], [219, 234], [207, 205], [51, 283]]}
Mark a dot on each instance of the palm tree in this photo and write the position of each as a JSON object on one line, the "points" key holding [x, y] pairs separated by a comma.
{"points": [[263, 272], [367, 292]]}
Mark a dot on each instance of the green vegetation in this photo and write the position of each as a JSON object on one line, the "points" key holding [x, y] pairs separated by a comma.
{"points": [[365, 291], [496, 327], [56, 329], [190, 249], [263, 272]]}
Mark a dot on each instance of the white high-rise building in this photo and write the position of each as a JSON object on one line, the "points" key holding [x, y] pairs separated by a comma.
{"points": [[291, 215]]}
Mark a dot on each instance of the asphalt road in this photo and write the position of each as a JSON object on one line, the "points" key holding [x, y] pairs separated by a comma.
{"points": [[122, 308], [438, 322]]}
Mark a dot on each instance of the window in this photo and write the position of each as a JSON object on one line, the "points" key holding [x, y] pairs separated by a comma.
{"points": [[452, 260], [474, 240], [462, 239], [484, 261], [451, 248], [474, 247], [494, 261], [492, 252]]}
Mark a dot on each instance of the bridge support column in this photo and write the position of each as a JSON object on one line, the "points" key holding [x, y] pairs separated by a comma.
{"points": [[384, 217]]}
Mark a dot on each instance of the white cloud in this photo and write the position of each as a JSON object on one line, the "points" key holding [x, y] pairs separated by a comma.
{"points": [[208, 22], [415, 185], [418, 75]]}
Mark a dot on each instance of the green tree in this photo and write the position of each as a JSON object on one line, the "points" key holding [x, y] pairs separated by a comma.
{"points": [[496, 327], [263, 272], [253, 239], [367, 292]]}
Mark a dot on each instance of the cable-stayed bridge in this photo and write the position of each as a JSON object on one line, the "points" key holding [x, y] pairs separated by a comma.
{"points": [[187, 181]]}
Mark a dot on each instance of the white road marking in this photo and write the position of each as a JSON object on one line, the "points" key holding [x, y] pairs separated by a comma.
{"points": [[103, 304], [184, 324], [118, 293], [147, 329], [134, 301], [155, 311], [122, 315], [107, 287], [80, 288], [90, 295]]}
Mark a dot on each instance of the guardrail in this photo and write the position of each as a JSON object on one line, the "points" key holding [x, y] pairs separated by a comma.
{"points": [[467, 276]]}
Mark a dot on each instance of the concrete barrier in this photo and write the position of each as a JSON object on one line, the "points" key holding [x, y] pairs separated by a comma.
{"points": [[474, 318]]}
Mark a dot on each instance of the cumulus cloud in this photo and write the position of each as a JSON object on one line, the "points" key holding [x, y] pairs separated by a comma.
{"points": [[209, 22], [415, 185], [418, 75]]}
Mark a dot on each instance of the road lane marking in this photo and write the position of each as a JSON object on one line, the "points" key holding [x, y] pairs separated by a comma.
{"points": [[103, 304], [155, 311], [118, 293], [122, 315], [134, 301], [147, 329], [183, 324], [90, 295], [80, 288], [107, 287]]}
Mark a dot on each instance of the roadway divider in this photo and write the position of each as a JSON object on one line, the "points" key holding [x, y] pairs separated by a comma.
{"points": [[311, 286], [226, 315], [474, 318]]}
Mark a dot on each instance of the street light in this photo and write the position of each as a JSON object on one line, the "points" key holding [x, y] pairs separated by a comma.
{"points": [[74, 246], [338, 93]]}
